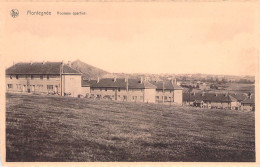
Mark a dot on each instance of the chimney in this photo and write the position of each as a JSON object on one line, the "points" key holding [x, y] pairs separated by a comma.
{"points": [[69, 63], [31, 62], [193, 93], [43, 62], [62, 62], [175, 81], [141, 80], [98, 80], [114, 79], [126, 79], [216, 94], [203, 93]]}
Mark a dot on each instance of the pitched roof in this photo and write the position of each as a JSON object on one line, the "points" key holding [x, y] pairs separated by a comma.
{"points": [[87, 83], [212, 97], [121, 83], [249, 100], [167, 85], [40, 68], [110, 83], [239, 97]]}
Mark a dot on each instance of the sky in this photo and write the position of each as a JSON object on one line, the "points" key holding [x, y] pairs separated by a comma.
{"points": [[153, 37]]}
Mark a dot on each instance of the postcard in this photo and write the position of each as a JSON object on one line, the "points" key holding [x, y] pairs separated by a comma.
{"points": [[128, 83]]}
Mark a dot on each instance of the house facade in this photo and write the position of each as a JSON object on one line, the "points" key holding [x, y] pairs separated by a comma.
{"points": [[248, 104], [133, 90], [210, 100], [123, 89], [43, 78], [168, 92]]}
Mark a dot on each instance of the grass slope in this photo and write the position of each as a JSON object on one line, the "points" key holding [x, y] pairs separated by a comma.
{"points": [[47, 128]]}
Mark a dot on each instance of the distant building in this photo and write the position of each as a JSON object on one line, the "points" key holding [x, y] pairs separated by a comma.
{"points": [[249, 103], [210, 100], [43, 78], [239, 97]]}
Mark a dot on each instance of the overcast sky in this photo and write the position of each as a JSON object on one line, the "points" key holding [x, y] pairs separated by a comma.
{"points": [[211, 38]]}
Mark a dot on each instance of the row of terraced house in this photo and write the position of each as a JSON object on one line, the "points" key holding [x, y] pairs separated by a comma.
{"points": [[232, 101], [61, 79]]}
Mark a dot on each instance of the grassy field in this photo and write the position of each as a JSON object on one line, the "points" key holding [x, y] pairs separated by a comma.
{"points": [[48, 128]]}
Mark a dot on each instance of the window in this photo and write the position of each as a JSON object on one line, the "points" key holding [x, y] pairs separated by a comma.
{"points": [[17, 76], [118, 89], [10, 86], [92, 89], [32, 77], [157, 97], [41, 77], [50, 87], [165, 97], [40, 87], [48, 77], [100, 89], [11, 77], [105, 89]]}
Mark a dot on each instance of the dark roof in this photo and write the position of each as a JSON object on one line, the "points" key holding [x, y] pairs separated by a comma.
{"points": [[40, 68], [208, 97], [137, 84], [239, 97], [121, 83], [167, 85], [87, 83], [248, 100]]}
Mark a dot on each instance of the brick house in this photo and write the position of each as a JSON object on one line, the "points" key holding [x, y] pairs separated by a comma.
{"points": [[43, 78]]}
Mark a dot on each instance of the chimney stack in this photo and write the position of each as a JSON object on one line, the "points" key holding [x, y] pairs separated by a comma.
{"points": [[43, 62], [216, 94], [141, 80], [31, 62], [98, 80], [114, 79], [203, 93], [126, 79], [69, 63]]}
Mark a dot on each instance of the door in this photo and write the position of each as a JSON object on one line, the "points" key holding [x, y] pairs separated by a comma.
{"points": [[56, 89]]}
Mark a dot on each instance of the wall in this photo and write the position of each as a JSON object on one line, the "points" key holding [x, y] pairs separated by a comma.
{"points": [[35, 85], [167, 94], [177, 97], [247, 107], [85, 90], [71, 84], [149, 95]]}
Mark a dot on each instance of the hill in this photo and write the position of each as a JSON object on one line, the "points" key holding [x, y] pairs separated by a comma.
{"points": [[53, 128], [88, 71]]}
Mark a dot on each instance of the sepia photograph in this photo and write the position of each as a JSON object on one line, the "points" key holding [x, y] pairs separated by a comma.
{"points": [[129, 82]]}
